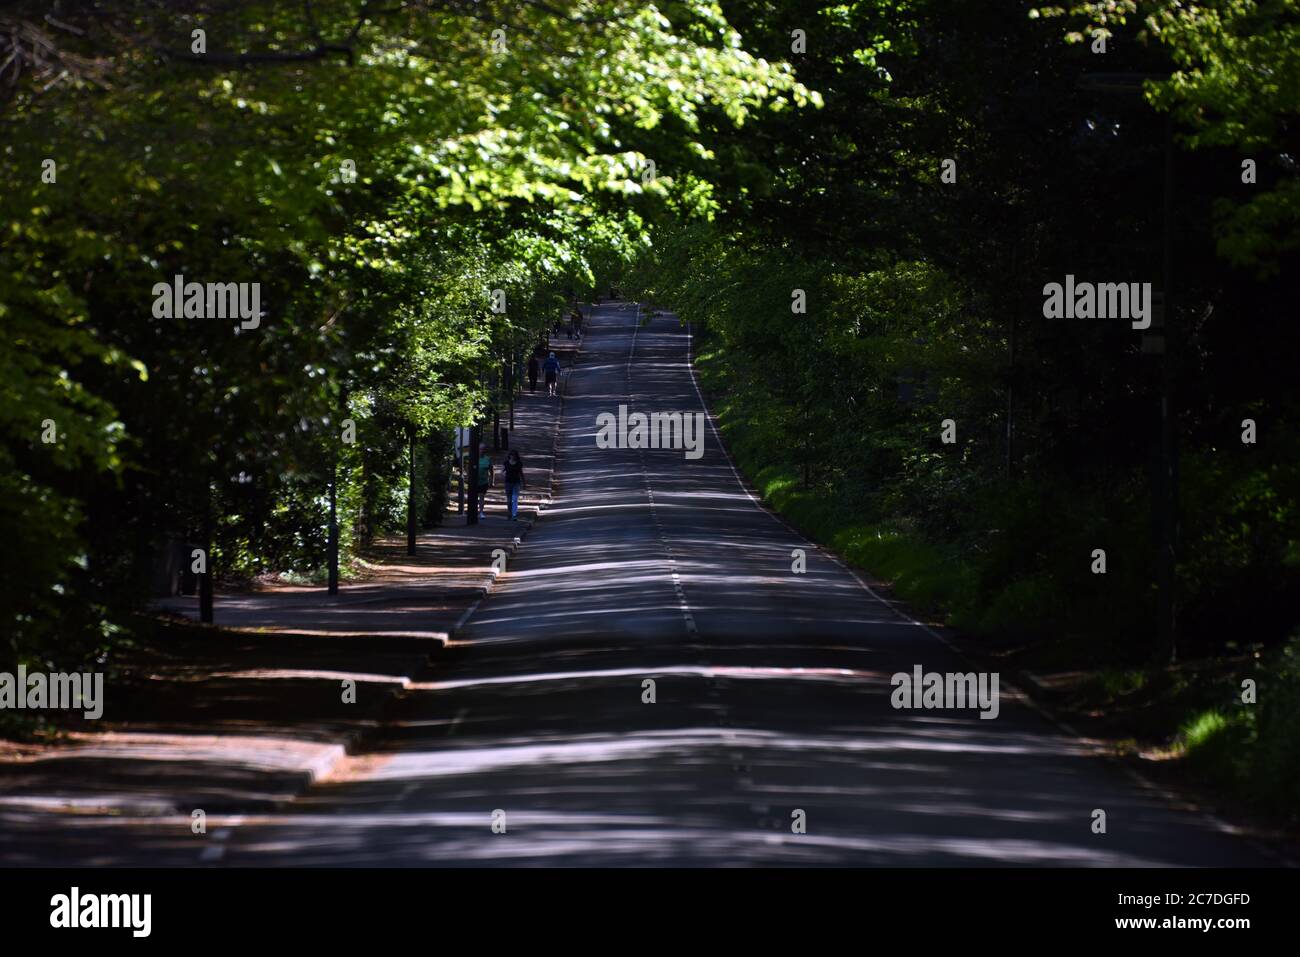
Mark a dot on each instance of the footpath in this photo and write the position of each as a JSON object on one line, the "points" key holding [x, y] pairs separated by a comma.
{"points": [[247, 713]]}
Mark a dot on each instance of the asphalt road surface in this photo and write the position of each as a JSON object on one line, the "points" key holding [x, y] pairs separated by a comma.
{"points": [[771, 738]]}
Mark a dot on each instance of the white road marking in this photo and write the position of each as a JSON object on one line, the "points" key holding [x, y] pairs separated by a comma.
{"points": [[455, 722], [683, 604], [216, 850]]}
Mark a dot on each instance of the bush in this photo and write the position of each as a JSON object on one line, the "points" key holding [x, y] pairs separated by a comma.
{"points": [[1275, 757]]}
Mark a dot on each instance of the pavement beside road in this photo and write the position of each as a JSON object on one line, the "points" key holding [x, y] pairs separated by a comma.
{"points": [[425, 594], [245, 714]]}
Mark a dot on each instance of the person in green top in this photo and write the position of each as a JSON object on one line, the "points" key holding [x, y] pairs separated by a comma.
{"points": [[485, 476]]}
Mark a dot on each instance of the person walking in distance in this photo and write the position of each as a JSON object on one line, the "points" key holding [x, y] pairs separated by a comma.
{"points": [[577, 321], [514, 476], [485, 477], [552, 369], [534, 367]]}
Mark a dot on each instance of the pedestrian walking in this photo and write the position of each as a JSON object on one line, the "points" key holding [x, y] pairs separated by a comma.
{"points": [[534, 367], [552, 369], [514, 480], [577, 321], [485, 479]]}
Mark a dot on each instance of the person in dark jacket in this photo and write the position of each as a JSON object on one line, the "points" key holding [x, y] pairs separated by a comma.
{"points": [[485, 476], [534, 367], [513, 468]]}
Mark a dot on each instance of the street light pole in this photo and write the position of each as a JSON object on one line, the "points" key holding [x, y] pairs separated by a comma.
{"points": [[410, 495], [334, 527], [205, 579], [475, 493], [333, 558]]}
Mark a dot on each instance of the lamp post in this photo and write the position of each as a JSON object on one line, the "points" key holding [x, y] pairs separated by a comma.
{"points": [[333, 543], [475, 492], [205, 579]]}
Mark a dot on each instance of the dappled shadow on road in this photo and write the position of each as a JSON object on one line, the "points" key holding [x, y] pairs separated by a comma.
{"points": [[712, 772], [770, 698], [652, 543], [776, 703], [656, 680]]}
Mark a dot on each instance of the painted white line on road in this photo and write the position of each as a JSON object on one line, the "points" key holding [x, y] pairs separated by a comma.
{"points": [[217, 849], [708, 414], [636, 329], [460, 622], [455, 723], [683, 604]]}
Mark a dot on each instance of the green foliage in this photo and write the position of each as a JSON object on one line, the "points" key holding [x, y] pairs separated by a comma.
{"points": [[1275, 764], [1205, 734], [924, 304], [526, 170], [476, 169], [1233, 81], [1253, 750]]}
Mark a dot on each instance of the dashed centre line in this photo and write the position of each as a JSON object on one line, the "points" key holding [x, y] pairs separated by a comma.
{"points": [[683, 604]]}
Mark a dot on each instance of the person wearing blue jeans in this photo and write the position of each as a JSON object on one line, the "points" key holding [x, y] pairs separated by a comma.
{"points": [[514, 474]]}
